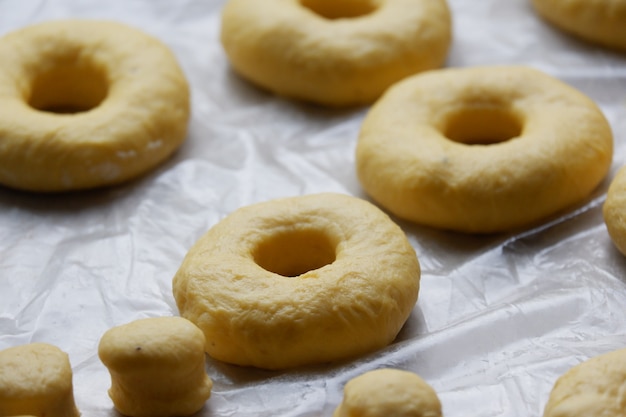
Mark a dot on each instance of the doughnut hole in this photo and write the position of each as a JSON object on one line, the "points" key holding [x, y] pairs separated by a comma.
{"points": [[295, 252], [484, 125], [340, 9], [68, 89]]}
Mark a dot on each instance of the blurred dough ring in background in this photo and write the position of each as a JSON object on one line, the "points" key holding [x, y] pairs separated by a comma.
{"points": [[334, 52], [86, 104], [614, 210], [482, 150], [599, 21], [299, 281], [592, 388]]}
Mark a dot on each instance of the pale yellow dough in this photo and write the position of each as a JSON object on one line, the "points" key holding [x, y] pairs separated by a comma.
{"points": [[614, 210], [334, 52], [36, 380], [86, 104], [299, 281], [483, 149], [595, 388], [599, 21], [389, 393], [157, 367]]}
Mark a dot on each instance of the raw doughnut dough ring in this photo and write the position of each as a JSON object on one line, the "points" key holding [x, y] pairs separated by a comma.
{"points": [[388, 392], [157, 367], [592, 388], [299, 281], [599, 21], [482, 150], [334, 52], [614, 210], [86, 104], [36, 380]]}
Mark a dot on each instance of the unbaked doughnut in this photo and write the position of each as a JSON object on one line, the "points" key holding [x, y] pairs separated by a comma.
{"points": [[86, 104], [599, 21], [36, 380], [298, 281], [482, 149], [157, 367], [388, 392], [334, 52], [614, 210], [592, 388]]}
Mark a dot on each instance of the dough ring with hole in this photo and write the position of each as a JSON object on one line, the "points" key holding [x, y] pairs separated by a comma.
{"points": [[592, 388], [599, 21], [334, 52], [86, 104], [388, 392], [299, 281], [483, 149], [614, 210]]}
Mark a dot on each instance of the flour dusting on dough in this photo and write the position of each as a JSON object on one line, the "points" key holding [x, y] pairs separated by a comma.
{"points": [[155, 144], [126, 154], [107, 171]]}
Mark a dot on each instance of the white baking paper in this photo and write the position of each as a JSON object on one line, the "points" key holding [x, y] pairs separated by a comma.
{"points": [[499, 318]]}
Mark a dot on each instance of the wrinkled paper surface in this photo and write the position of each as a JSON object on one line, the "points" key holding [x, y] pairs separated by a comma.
{"points": [[499, 318]]}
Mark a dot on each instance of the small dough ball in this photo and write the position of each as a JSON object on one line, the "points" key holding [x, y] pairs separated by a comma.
{"points": [[614, 210], [595, 388], [387, 393], [36, 380], [157, 367]]}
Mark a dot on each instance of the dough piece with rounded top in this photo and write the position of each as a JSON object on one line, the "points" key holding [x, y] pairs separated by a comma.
{"points": [[484, 149], [614, 210], [599, 21], [86, 104], [299, 281], [36, 380], [592, 388], [334, 52], [388, 392], [157, 367]]}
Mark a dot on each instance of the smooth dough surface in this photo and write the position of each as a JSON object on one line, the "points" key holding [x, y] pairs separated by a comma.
{"points": [[85, 104], [157, 367], [386, 393], [36, 380], [599, 21], [334, 52], [482, 149], [299, 281], [614, 210], [595, 388]]}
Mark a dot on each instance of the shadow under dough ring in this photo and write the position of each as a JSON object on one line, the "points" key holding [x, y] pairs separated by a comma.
{"points": [[599, 21], [334, 52], [86, 104], [483, 149], [299, 281]]}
